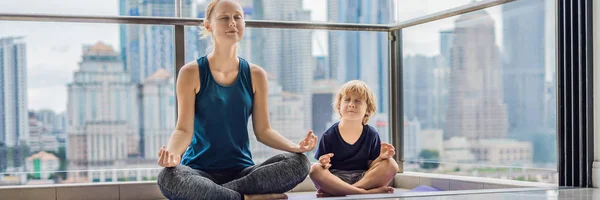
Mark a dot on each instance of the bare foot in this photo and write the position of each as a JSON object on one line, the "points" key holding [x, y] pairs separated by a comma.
{"points": [[321, 193], [384, 189], [265, 196]]}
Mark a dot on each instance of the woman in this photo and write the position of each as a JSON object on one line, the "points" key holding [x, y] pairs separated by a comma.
{"points": [[216, 95]]}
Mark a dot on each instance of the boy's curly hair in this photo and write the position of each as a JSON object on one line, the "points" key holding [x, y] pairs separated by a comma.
{"points": [[361, 89]]}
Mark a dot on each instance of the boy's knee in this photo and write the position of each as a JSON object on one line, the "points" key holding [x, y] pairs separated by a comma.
{"points": [[390, 164], [315, 170]]}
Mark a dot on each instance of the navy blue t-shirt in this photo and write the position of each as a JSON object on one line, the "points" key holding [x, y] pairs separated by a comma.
{"points": [[347, 156]]}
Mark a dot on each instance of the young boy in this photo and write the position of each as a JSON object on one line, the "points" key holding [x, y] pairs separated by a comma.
{"points": [[352, 159]]}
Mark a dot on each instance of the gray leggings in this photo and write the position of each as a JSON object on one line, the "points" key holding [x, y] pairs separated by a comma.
{"points": [[278, 174]]}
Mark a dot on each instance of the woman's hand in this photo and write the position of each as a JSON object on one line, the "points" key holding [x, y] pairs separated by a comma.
{"points": [[307, 144], [166, 159]]}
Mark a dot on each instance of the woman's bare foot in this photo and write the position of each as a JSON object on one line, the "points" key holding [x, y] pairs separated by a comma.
{"points": [[384, 189], [265, 196]]}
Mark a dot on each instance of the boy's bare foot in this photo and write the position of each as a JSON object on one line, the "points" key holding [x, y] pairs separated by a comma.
{"points": [[321, 193], [265, 196], [384, 189]]}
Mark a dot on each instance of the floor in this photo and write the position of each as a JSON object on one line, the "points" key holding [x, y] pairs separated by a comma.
{"points": [[502, 194]]}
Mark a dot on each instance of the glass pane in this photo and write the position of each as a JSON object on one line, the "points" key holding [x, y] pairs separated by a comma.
{"points": [[353, 11], [409, 9], [306, 69], [346, 11], [86, 106], [479, 94], [158, 8]]}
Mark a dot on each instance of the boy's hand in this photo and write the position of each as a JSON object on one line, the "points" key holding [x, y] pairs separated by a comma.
{"points": [[325, 160], [307, 144], [387, 151]]}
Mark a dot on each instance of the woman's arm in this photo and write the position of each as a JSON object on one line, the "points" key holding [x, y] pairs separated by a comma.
{"points": [[260, 118], [188, 84]]}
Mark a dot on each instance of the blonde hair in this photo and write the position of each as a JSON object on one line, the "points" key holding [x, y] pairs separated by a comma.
{"points": [[361, 89], [204, 33]]}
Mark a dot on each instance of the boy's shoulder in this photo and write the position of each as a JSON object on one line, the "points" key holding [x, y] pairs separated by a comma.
{"points": [[331, 130], [370, 130]]}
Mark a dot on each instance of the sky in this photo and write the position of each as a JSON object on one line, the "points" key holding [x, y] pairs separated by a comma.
{"points": [[54, 49]]}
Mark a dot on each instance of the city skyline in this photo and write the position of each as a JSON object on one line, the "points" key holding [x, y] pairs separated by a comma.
{"points": [[53, 53]]}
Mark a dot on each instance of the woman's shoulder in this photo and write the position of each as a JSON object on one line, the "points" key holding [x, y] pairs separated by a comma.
{"points": [[189, 69]]}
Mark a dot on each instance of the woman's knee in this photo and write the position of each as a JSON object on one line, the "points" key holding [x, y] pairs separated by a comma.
{"points": [[300, 162], [170, 176]]}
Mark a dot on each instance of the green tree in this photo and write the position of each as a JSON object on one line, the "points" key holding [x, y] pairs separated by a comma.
{"points": [[429, 159]]}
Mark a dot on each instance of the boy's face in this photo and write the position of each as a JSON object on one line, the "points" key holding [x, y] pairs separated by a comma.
{"points": [[353, 107]]}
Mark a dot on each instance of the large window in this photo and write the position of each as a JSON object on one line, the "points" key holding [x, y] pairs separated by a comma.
{"points": [[479, 93], [95, 102]]}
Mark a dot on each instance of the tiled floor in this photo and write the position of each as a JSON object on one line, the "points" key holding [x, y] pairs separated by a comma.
{"points": [[500, 194]]}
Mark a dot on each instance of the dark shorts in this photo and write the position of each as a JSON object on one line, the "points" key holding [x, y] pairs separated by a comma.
{"points": [[349, 177]]}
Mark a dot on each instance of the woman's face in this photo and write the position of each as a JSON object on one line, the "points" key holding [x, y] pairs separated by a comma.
{"points": [[227, 22]]}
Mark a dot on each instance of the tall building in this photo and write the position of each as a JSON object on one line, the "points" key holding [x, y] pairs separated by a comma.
{"points": [[102, 111], [446, 41], [475, 99], [145, 48], [14, 129], [41, 137], [323, 114], [361, 55], [158, 94], [412, 139], [285, 111], [322, 69], [425, 89], [524, 66], [287, 53]]}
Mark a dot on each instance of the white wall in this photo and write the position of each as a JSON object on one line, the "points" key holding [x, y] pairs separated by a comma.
{"points": [[596, 25]]}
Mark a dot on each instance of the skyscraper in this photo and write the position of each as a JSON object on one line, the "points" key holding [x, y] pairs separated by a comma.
{"points": [[524, 65], [475, 99], [14, 129], [102, 111], [145, 48], [158, 94], [287, 53], [361, 55]]}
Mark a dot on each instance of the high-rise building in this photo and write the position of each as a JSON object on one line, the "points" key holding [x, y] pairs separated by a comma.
{"points": [[361, 55], [287, 53], [323, 92], [425, 89], [475, 100], [14, 129], [158, 94], [102, 111], [285, 111], [412, 139], [322, 69], [145, 48], [524, 66]]}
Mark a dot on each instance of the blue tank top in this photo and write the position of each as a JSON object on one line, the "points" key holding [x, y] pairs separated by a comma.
{"points": [[220, 141]]}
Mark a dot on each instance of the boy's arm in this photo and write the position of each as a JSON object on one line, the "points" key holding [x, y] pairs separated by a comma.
{"points": [[321, 148], [375, 156]]}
